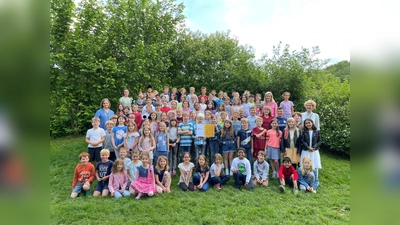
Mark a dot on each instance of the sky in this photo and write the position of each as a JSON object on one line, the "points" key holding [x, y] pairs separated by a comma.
{"points": [[262, 24]]}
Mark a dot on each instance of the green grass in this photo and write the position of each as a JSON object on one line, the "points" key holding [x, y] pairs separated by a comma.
{"points": [[331, 204]]}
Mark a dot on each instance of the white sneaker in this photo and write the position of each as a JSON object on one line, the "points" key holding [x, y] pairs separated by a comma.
{"points": [[226, 171], [231, 173]]}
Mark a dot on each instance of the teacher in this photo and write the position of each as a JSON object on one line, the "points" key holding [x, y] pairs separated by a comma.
{"points": [[104, 113]]}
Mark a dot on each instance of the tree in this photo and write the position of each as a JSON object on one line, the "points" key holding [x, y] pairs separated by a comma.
{"points": [[340, 69]]}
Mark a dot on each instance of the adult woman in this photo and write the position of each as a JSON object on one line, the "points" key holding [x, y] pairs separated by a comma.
{"points": [[310, 105], [104, 113]]}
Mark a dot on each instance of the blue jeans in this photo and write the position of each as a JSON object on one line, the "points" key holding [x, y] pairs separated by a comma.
{"points": [[184, 149], [240, 179], [214, 148], [196, 181], [249, 156], [117, 194], [222, 179], [199, 149]]}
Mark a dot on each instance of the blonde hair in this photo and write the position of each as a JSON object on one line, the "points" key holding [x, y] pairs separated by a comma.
{"points": [[312, 102], [244, 120], [165, 130], [95, 119], [269, 93], [304, 172], [287, 129], [105, 151], [110, 122], [132, 124], [150, 136], [217, 156], [158, 163]]}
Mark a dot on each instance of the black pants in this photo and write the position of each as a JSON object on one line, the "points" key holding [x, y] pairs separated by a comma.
{"points": [[184, 187], [219, 179], [94, 154]]}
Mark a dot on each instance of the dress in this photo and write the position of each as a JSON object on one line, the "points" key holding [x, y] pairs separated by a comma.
{"points": [[315, 141], [292, 149], [145, 181]]}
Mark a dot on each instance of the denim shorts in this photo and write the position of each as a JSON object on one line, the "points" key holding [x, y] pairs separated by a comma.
{"points": [[78, 187], [229, 147], [101, 186]]}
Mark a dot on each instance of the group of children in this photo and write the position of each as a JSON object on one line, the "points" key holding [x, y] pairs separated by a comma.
{"points": [[159, 137]]}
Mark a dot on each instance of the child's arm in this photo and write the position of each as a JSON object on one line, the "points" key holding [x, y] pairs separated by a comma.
{"points": [[238, 141], [319, 141], [280, 172], [125, 182], [75, 178], [182, 175], [125, 144], [189, 176], [203, 181], [158, 181], [301, 178], [88, 141], [97, 176], [255, 171], [92, 174], [135, 143], [113, 141], [264, 177], [110, 184], [167, 142]]}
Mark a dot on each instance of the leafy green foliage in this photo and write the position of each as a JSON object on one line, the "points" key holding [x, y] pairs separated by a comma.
{"points": [[340, 69]]}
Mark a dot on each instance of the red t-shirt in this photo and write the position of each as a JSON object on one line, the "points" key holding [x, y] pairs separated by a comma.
{"points": [[266, 122], [165, 109], [259, 143]]}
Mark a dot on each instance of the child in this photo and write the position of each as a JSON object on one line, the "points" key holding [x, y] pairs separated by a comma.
{"points": [[165, 108], [185, 130], [132, 168], [153, 123], [258, 108], [120, 109], [270, 101], [228, 107], [83, 175], [236, 122], [146, 122], [191, 93], [287, 105], [260, 169], [200, 178], [221, 108], [162, 176], [297, 117], [242, 113], [131, 118], [228, 139], [138, 116], [132, 138], [158, 110], [186, 169], [245, 105], [162, 142], [210, 106], [290, 144], [259, 137], [308, 177], [123, 152], [95, 137], [244, 139], [114, 119], [207, 119], [252, 100], [147, 143], [178, 117], [148, 108], [252, 117], [144, 183], [311, 141], [107, 144], [203, 104], [192, 101], [118, 180], [118, 135], [140, 102], [103, 171], [217, 172], [242, 170], [281, 120], [164, 118], [310, 105], [274, 136], [214, 141], [266, 117], [236, 105], [199, 141], [222, 117], [174, 138], [288, 175]]}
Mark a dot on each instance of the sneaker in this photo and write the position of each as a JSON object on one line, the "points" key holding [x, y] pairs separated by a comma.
{"points": [[273, 175], [281, 188], [226, 171], [194, 187], [238, 186], [87, 192], [295, 191], [231, 173], [218, 186], [315, 191]]}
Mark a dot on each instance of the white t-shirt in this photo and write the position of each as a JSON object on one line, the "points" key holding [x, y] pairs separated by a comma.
{"points": [[186, 170], [215, 167], [95, 135]]}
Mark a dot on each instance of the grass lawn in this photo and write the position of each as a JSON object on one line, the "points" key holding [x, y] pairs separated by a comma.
{"points": [[331, 204]]}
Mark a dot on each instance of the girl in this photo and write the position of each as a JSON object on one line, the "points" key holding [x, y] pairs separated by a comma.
{"points": [[217, 173], [174, 105], [214, 141], [210, 106], [162, 141], [192, 117], [118, 134], [185, 106], [181, 99], [274, 136], [125, 99], [245, 105], [132, 168], [222, 117], [146, 122], [287, 106], [193, 99], [269, 101], [207, 119], [228, 107], [297, 117], [118, 180], [164, 118], [221, 108], [127, 111], [173, 144], [236, 122], [200, 178], [153, 123], [228, 139], [311, 141], [140, 102], [144, 184], [236, 105], [199, 141], [310, 105], [308, 176], [267, 117], [132, 138], [258, 108], [291, 142], [186, 169], [203, 104], [120, 110], [259, 137], [162, 176], [147, 143]]}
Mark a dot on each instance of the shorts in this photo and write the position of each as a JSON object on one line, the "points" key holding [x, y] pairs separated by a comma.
{"points": [[229, 146], [78, 187], [272, 153], [101, 186]]}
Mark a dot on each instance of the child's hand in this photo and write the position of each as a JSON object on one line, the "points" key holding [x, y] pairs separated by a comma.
{"points": [[245, 184], [195, 137], [199, 186], [121, 191], [112, 194], [99, 179], [234, 170]]}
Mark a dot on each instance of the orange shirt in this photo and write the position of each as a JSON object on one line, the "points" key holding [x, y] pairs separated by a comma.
{"points": [[83, 173]]}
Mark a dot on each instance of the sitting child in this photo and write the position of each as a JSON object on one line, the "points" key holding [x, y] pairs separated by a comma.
{"points": [[288, 175], [83, 176], [261, 168], [308, 176]]}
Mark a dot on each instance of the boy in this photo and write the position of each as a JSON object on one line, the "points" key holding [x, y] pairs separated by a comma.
{"points": [[236, 122], [179, 117], [288, 175], [107, 141], [148, 108], [95, 138], [189, 96], [114, 119], [252, 117], [199, 141], [158, 111], [185, 130], [281, 120], [242, 170], [83, 175], [122, 155], [103, 171], [165, 108], [244, 139], [259, 137], [261, 168], [138, 116], [203, 94]]}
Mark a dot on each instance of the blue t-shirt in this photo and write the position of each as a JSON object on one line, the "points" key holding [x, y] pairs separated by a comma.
{"points": [[282, 123], [161, 142], [186, 140], [104, 117], [104, 169], [236, 126], [119, 134], [245, 138]]}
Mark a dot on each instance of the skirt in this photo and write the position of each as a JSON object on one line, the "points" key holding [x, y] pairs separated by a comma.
{"points": [[314, 156], [144, 185], [292, 154], [272, 153]]}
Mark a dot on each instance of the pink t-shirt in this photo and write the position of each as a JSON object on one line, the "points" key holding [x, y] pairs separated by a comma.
{"points": [[273, 140], [273, 106]]}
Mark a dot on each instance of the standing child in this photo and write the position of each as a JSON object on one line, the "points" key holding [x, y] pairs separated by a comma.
{"points": [[210, 106], [132, 138], [214, 141], [228, 139], [203, 103], [144, 183], [162, 176], [221, 108], [270, 101], [118, 180], [252, 118], [242, 170], [288, 175], [236, 105], [132, 168], [290, 144], [236, 122], [186, 169], [165, 108], [185, 130], [119, 134], [95, 138], [173, 145], [164, 118], [83, 175], [147, 143], [103, 171], [107, 144], [138, 116], [123, 152], [222, 117], [245, 105], [114, 119], [297, 117], [288, 106], [281, 120], [311, 141], [274, 136], [154, 123], [259, 137], [261, 168], [120, 109], [258, 108], [202, 172], [266, 117], [162, 142], [217, 172], [228, 107], [244, 139], [308, 177], [178, 117], [199, 141]]}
